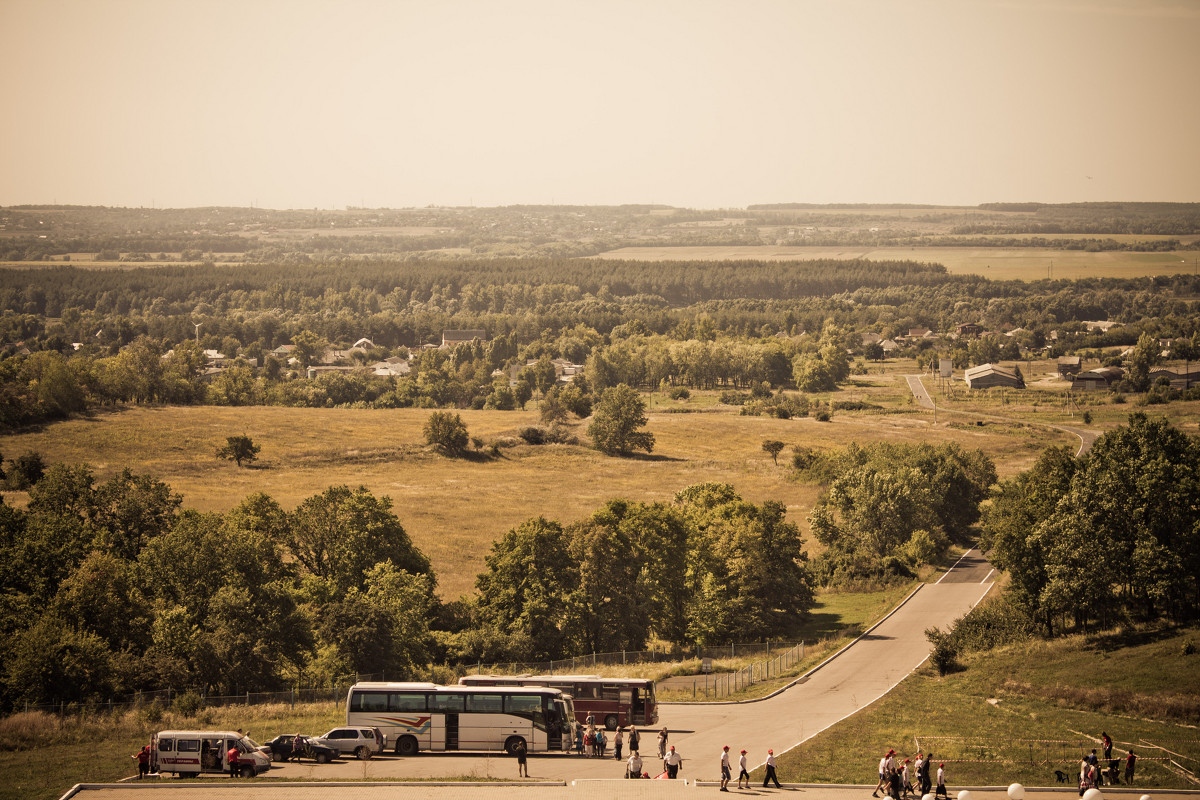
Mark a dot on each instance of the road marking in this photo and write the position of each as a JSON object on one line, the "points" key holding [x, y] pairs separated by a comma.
{"points": [[985, 577], [956, 563]]}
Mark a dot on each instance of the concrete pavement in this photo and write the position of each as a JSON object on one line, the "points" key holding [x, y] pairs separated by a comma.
{"points": [[223, 789]]}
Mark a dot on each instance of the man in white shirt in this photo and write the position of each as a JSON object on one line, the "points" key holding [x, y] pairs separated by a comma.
{"points": [[743, 772], [941, 784], [672, 762], [770, 776], [633, 767], [725, 769]]}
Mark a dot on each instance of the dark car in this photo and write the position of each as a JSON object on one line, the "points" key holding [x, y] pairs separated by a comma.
{"points": [[294, 746]]}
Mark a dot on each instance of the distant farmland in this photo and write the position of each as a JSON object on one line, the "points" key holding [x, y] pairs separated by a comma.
{"points": [[1000, 263]]}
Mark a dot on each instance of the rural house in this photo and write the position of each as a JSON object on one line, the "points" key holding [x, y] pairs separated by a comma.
{"points": [[1099, 378], [455, 338], [986, 376], [1069, 365]]}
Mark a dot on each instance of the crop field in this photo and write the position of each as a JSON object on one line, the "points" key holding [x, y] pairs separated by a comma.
{"points": [[455, 508], [999, 263]]}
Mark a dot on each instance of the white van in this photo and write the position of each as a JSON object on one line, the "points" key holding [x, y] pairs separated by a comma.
{"points": [[190, 753]]}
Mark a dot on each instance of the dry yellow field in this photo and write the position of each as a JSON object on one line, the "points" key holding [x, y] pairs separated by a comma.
{"points": [[1000, 263], [455, 508]]}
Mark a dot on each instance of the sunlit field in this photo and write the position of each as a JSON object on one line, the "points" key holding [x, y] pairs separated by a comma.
{"points": [[455, 508], [999, 263]]}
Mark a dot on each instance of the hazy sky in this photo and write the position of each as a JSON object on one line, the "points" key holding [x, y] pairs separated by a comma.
{"points": [[300, 103]]}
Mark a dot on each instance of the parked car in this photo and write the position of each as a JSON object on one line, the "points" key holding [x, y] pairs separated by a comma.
{"points": [[362, 742], [295, 746]]}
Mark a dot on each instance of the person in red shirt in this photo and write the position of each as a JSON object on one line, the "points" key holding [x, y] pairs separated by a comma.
{"points": [[143, 760], [234, 759]]}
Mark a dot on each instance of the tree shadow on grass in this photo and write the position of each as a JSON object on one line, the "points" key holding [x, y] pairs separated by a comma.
{"points": [[647, 457]]}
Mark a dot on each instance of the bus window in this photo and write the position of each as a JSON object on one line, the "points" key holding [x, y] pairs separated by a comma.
{"points": [[446, 703], [406, 701], [523, 705], [485, 703], [369, 701]]}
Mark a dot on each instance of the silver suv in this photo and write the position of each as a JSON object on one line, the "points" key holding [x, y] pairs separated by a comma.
{"points": [[362, 742]]}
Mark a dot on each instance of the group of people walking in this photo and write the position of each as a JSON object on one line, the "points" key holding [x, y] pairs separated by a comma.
{"points": [[744, 773], [896, 781]]}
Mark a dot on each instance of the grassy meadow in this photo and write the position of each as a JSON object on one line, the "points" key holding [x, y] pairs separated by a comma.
{"points": [[455, 508], [1037, 706], [997, 263]]}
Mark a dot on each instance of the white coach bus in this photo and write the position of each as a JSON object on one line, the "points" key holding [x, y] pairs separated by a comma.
{"points": [[425, 716]]}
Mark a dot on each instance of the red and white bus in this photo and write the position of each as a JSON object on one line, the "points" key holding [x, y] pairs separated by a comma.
{"points": [[610, 702]]}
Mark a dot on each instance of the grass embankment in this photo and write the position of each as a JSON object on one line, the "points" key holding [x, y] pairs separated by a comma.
{"points": [[1038, 706]]}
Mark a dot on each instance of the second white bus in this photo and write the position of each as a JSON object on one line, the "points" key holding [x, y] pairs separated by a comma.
{"points": [[425, 716]]}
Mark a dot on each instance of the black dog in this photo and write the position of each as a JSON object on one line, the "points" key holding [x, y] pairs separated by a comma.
{"points": [[1060, 776]]}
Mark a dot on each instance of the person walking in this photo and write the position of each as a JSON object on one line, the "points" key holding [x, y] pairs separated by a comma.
{"points": [[1130, 760], [725, 774], [927, 781], [633, 767], [672, 762], [618, 740], [885, 767], [234, 760], [662, 743], [770, 776], [634, 739], [919, 769], [941, 784], [905, 783], [1084, 774], [743, 772], [579, 739]]}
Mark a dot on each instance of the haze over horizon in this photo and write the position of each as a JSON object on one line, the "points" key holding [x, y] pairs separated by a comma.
{"points": [[711, 103]]}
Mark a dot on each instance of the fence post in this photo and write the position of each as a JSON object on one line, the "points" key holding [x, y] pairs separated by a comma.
{"points": [[622, 656]]}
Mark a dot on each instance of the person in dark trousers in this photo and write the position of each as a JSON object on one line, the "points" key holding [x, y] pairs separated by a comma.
{"points": [[1130, 760], [926, 781], [672, 762], [1107, 744], [522, 753], [941, 784], [742, 771], [1094, 761], [633, 739], [143, 761], [725, 773], [770, 776], [234, 761], [617, 742]]}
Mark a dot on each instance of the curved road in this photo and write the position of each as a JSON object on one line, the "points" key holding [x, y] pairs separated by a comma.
{"points": [[1086, 437]]}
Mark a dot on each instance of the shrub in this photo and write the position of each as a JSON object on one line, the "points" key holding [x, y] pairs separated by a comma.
{"points": [[855, 405], [944, 657], [733, 398], [25, 470], [1087, 418], [188, 704], [152, 714], [822, 415], [680, 393]]}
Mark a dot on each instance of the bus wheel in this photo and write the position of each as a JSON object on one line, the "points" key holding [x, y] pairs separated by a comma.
{"points": [[511, 745], [610, 722], [363, 752], [406, 746]]}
